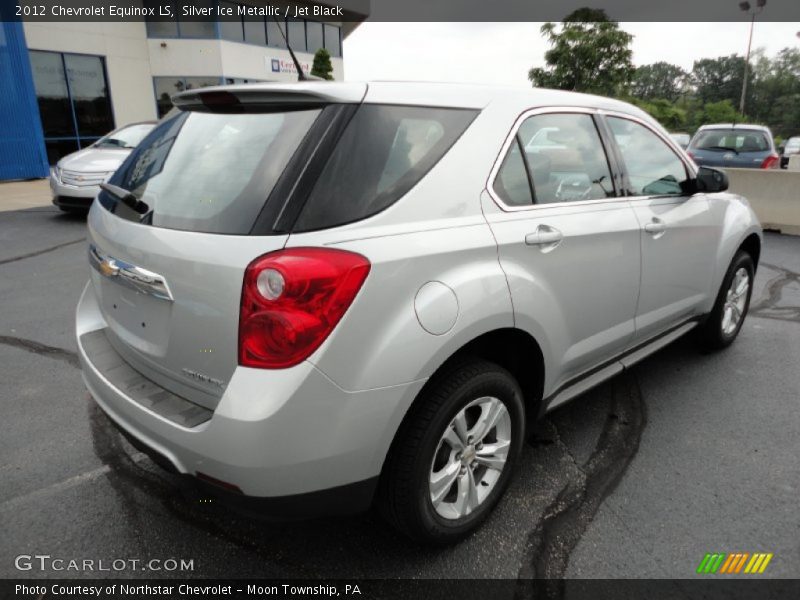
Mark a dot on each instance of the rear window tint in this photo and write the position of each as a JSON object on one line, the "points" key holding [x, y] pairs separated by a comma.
{"points": [[209, 172], [740, 140], [382, 154]]}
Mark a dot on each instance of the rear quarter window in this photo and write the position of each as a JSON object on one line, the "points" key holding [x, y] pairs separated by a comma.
{"points": [[384, 151]]}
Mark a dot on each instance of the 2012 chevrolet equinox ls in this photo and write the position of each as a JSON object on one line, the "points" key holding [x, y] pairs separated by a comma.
{"points": [[314, 297]]}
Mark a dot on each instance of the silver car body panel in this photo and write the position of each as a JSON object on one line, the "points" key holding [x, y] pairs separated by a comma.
{"points": [[330, 420]]}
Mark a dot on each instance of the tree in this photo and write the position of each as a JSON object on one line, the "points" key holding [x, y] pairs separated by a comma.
{"points": [[322, 66], [659, 80], [719, 112], [717, 79], [589, 54], [665, 112]]}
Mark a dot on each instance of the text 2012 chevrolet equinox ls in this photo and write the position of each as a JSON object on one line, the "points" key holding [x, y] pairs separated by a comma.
{"points": [[314, 297]]}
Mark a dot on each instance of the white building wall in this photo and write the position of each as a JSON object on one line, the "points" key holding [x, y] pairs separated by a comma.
{"points": [[184, 57], [124, 46], [255, 62]]}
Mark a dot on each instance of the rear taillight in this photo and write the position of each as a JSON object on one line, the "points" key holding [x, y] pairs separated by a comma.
{"points": [[770, 162], [690, 155], [291, 301]]}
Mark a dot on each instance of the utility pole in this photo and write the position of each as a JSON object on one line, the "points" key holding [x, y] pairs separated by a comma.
{"points": [[746, 7]]}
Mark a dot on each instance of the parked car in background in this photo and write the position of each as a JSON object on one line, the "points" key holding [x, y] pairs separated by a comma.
{"points": [[737, 146], [75, 180], [680, 138], [314, 297], [792, 146]]}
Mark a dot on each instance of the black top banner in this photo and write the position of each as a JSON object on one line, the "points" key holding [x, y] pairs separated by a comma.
{"points": [[399, 10]]}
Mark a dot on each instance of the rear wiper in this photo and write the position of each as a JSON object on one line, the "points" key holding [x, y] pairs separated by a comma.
{"points": [[126, 197], [720, 148]]}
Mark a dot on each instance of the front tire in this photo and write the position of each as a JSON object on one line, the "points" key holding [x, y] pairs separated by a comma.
{"points": [[453, 456], [733, 301]]}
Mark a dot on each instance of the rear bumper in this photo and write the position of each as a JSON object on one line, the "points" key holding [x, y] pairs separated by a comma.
{"points": [[274, 433], [347, 499]]}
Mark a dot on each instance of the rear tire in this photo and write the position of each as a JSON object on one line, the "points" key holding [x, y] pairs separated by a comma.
{"points": [[733, 301], [437, 484]]}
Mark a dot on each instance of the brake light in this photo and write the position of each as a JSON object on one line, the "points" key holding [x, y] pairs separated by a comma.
{"points": [[770, 162], [291, 301]]}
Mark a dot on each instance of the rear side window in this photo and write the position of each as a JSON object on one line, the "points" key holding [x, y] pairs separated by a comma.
{"points": [[382, 154], [561, 155], [511, 183], [209, 172]]}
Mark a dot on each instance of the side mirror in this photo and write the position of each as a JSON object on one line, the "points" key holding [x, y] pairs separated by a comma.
{"points": [[711, 180]]}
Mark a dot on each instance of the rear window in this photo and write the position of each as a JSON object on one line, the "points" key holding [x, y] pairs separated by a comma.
{"points": [[209, 172], [382, 154], [738, 140]]}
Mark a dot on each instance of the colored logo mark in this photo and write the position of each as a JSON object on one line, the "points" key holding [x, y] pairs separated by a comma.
{"points": [[734, 563]]}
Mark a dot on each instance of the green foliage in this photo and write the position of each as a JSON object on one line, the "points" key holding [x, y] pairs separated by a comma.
{"points": [[589, 53], [716, 79], [719, 112], [322, 66], [659, 80], [664, 111]]}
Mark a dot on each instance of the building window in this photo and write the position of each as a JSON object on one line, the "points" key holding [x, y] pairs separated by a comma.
{"points": [[275, 33], [304, 36], [314, 36], [255, 32], [166, 87], [74, 102], [296, 29], [231, 29], [333, 39], [178, 27]]}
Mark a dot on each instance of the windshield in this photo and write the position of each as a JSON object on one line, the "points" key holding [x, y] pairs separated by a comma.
{"points": [[209, 172], [732, 140], [127, 137], [793, 144]]}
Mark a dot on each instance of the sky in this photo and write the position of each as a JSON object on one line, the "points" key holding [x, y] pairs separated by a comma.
{"points": [[502, 53]]}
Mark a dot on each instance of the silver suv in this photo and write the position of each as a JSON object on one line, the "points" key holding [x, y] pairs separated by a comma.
{"points": [[315, 297]]}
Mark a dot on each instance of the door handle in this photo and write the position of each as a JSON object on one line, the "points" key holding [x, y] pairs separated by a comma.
{"points": [[129, 275], [656, 226], [544, 236]]}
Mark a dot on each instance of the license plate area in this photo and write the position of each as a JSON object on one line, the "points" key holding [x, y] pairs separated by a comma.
{"points": [[138, 319]]}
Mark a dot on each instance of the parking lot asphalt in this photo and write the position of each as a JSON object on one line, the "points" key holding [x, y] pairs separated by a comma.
{"points": [[687, 453]]}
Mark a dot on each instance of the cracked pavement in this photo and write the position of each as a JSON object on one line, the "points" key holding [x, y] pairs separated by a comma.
{"points": [[686, 453]]}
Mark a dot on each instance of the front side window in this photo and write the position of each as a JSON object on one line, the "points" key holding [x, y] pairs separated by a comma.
{"points": [[561, 155], [653, 168]]}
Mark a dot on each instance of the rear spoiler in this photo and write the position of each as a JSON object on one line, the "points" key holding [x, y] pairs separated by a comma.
{"points": [[270, 95]]}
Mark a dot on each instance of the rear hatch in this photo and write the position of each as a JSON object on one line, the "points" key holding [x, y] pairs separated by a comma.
{"points": [[735, 148], [169, 261]]}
